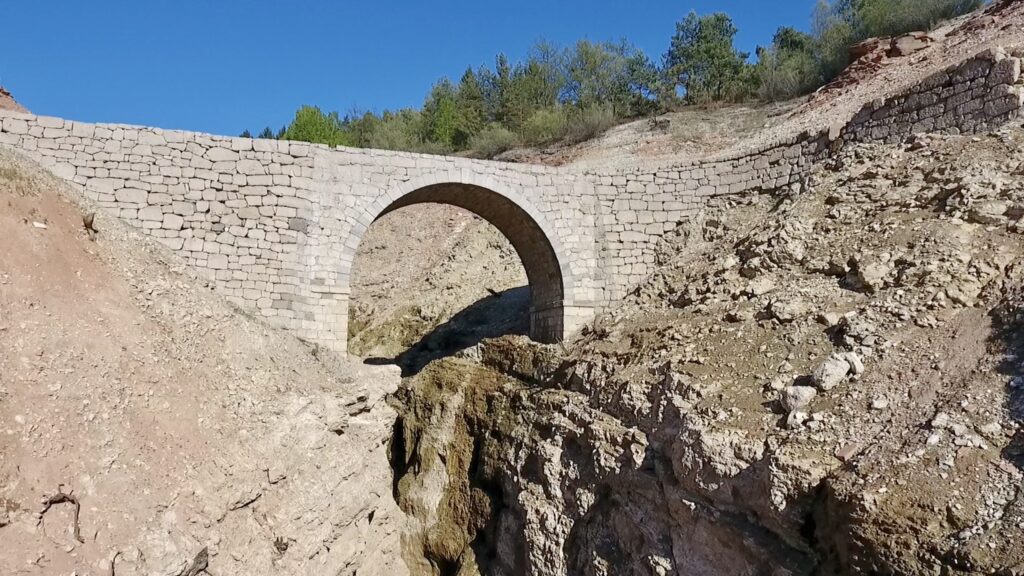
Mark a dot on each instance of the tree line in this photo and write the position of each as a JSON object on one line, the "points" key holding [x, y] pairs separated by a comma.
{"points": [[573, 94]]}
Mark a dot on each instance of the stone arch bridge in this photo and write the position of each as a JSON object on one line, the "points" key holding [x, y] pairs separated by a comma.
{"points": [[275, 224]]}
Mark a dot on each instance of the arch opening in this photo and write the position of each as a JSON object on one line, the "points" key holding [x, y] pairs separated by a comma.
{"points": [[540, 261]]}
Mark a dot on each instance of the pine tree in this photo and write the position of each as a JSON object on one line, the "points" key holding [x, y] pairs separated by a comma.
{"points": [[472, 108], [703, 61], [440, 115]]}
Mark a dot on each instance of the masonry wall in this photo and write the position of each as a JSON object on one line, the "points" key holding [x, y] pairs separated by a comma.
{"points": [[275, 224], [236, 209], [975, 96]]}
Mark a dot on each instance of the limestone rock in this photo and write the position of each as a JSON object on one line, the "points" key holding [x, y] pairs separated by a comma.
{"points": [[787, 310], [831, 373], [797, 397]]}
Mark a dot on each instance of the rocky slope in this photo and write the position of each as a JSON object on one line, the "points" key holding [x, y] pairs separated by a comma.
{"points": [[147, 427], [820, 381], [826, 381]]}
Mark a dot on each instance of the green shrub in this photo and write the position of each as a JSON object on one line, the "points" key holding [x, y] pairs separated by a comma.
{"points": [[312, 125], [397, 131], [493, 140], [840, 24], [894, 17], [589, 122], [545, 126]]}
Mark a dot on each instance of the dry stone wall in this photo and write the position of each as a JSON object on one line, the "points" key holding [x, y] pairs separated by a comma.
{"points": [[275, 224], [977, 95]]}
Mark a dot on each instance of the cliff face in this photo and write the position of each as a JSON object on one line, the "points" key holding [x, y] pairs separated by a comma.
{"points": [[824, 381]]}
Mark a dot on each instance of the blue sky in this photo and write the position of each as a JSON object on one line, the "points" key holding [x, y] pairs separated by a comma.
{"points": [[223, 66]]}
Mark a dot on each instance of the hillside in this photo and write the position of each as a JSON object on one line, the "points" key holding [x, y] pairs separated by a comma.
{"points": [[189, 432], [722, 129]]}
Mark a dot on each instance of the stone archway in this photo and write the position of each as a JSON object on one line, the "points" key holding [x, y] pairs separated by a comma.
{"points": [[549, 276]]}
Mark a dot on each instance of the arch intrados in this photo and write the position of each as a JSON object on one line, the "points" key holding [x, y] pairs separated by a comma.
{"points": [[528, 232], [410, 193]]}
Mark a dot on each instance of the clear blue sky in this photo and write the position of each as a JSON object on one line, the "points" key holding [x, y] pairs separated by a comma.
{"points": [[225, 65]]}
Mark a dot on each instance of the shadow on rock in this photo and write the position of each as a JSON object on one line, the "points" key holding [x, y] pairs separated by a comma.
{"points": [[504, 313]]}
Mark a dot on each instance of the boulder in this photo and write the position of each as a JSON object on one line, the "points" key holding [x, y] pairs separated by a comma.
{"points": [[797, 397], [831, 373], [908, 44]]}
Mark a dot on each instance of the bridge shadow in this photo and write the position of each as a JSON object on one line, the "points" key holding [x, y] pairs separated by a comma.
{"points": [[1009, 335], [500, 314]]}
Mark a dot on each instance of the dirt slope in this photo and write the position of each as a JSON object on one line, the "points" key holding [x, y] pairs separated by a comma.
{"points": [[7, 102], [693, 132], [184, 428]]}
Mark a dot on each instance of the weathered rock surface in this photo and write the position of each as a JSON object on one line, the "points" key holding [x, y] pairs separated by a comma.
{"points": [[874, 430]]}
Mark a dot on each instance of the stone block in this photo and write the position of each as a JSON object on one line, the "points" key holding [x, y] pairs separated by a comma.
{"points": [[250, 167], [64, 171], [15, 125], [173, 222], [1005, 71], [82, 130], [49, 122], [131, 195], [159, 198], [220, 155], [172, 243], [151, 214], [151, 138], [217, 262], [241, 144], [184, 208]]}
